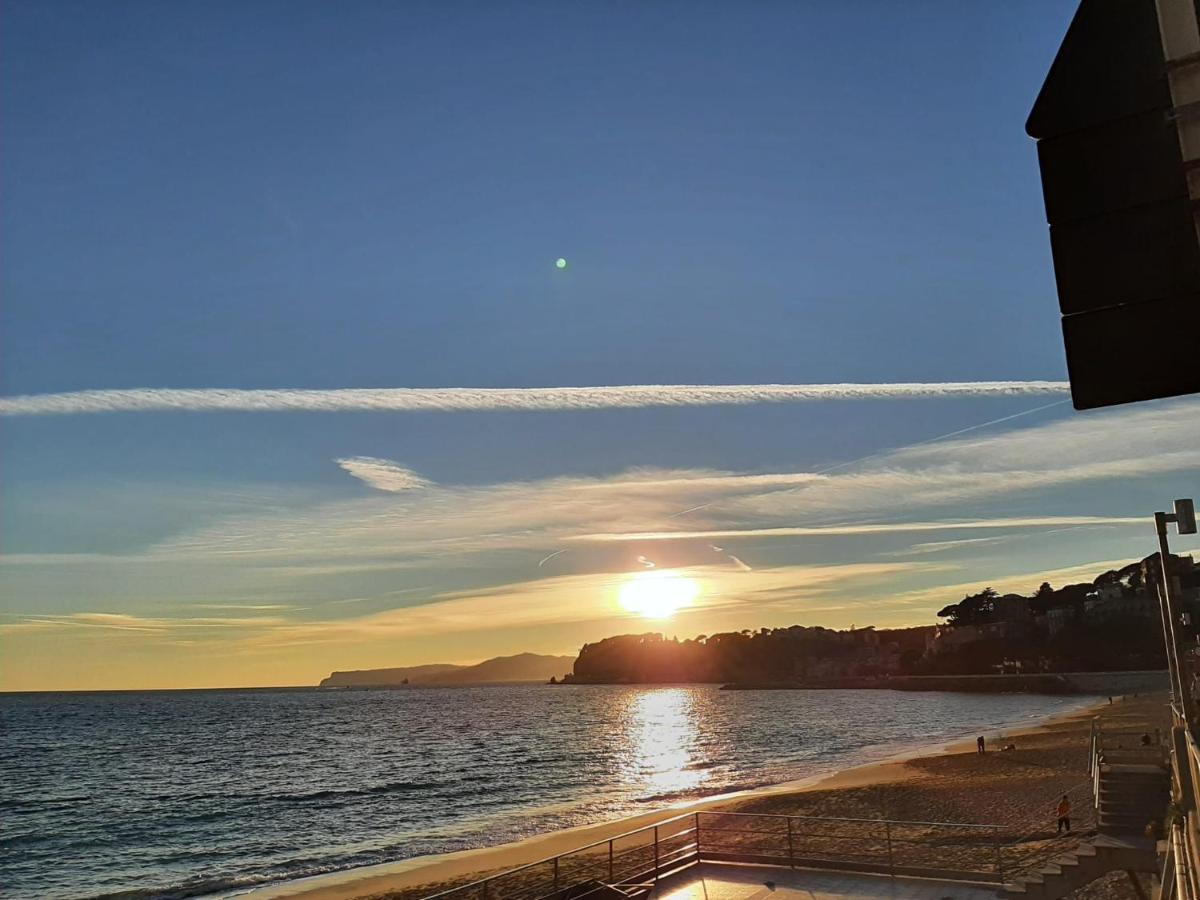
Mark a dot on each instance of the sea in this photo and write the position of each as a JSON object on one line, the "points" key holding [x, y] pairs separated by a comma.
{"points": [[174, 794]]}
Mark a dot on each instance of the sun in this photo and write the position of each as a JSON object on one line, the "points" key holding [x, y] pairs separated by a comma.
{"points": [[658, 594]]}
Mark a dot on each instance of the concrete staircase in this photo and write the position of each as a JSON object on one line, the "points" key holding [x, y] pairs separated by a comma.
{"points": [[1087, 862], [1133, 794], [1133, 788]]}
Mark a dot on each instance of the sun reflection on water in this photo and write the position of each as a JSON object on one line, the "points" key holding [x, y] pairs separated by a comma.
{"points": [[662, 735]]}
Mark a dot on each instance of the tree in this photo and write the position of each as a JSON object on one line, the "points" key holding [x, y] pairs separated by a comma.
{"points": [[974, 609]]}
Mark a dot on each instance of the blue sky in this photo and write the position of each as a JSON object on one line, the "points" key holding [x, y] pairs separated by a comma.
{"points": [[288, 196]]}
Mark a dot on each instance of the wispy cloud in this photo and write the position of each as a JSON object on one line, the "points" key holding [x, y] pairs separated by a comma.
{"points": [[383, 474], [1110, 446], [593, 598], [126, 622], [862, 529], [517, 399], [1024, 583], [445, 543], [697, 480], [939, 546], [256, 607]]}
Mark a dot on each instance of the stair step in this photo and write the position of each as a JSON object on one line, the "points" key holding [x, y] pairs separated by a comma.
{"points": [[1125, 817], [1127, 792], [1106, 842], [1152, 805], [1152, 814], [1071, 870]]}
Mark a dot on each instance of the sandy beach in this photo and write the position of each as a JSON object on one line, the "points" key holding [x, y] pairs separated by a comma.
{"points": [[1014, 789]]}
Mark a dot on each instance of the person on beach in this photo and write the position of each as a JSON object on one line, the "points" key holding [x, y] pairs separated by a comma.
{"points": [[1064, 815], [980, 745]]}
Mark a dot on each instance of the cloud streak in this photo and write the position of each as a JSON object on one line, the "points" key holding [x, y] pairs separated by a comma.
{"points": [[383, 474], [860, 529], [499, 399]]}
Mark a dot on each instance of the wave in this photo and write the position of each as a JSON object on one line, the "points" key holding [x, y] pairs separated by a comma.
{"points": [[394, 787], [41, 802], [236, 884]]}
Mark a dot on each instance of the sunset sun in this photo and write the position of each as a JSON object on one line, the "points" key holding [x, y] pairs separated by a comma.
{"points": [[657, 594]]}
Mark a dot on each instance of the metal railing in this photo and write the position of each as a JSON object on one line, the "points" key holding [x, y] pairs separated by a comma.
{"points": [[1180, 876], [1033, 848], [630, 864], [1116, 746]]}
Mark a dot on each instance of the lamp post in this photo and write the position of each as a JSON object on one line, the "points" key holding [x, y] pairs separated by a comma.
{"points": [[1184, 518]]}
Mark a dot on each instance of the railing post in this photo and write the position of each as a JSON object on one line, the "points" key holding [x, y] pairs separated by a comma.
{"points": [[1092, 744], [656, 854], [999, 856], [610, 861], [887, 833], [556, 874], [698, 858], [791, 844]]}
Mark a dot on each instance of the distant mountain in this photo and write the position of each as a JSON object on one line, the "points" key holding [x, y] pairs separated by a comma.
{"points": [[414, 674], [522, 667]]}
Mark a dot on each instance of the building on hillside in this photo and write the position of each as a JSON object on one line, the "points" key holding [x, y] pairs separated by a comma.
{"points": [[1012, 608], [1057, 618], [917, 639], [1107, 592], [1104, 607], [1183, 568], [868, 636], [954, 637]]}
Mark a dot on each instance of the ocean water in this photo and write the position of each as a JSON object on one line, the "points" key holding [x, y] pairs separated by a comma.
{"points": [[198, 793]]}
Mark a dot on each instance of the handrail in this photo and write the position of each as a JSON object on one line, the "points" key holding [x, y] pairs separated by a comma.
{"points": [[844, 819], [668, 857], [1182, 879], [1095, 745]]}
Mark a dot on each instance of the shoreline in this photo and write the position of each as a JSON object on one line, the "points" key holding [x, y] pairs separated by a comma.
{"points": [[465, 865]]}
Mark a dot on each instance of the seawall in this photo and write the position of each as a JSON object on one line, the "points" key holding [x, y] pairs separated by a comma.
{"points": [[1098, 683]]}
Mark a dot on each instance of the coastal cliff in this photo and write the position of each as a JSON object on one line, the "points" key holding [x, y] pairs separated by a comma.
{"points": [[501, 669]]}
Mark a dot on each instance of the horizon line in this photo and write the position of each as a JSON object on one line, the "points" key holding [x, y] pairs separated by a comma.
{"points": [[513, 399]]}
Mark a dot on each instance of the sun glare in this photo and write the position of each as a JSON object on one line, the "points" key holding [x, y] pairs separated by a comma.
{"points": [[657, 594]]}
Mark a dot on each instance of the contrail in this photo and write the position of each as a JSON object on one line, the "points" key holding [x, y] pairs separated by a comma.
{"points": [[634, 396], [940, 437], [869, 528], [552, 555], [861, 459]]}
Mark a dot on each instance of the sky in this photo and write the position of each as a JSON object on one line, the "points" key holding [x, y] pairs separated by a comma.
{"points": [[286, 354]]}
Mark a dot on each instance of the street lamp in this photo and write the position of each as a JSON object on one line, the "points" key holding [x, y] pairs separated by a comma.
{"points": [[1184, 518]]}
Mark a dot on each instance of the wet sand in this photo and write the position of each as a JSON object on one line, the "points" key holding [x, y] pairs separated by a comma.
{"points": [[1015, 789]]}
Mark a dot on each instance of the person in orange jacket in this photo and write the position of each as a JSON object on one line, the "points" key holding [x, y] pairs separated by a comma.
{"points": [[1064, 815]]}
